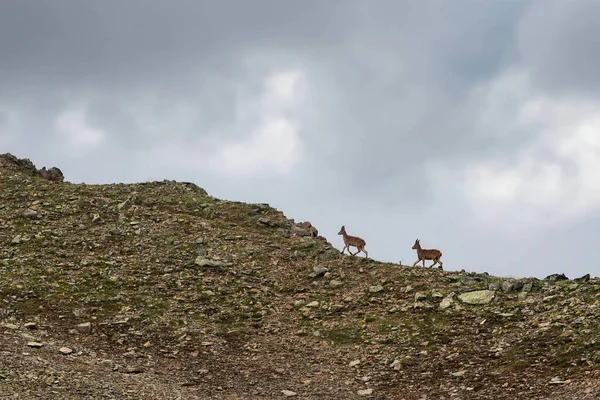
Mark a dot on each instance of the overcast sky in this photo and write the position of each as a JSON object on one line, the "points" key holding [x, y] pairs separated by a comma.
{"points": [[472, 125]]}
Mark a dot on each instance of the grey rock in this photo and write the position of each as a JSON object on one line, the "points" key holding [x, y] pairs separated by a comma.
{"points": [[376, 289], [527, 287], [124, 205], [468, 280], [320, 270], [85, 328], [420, 296], [307, 242], [305, 229], [365, 392], [446, 303], [267, 221], [335, 284], [556, 277], [328, 255], [584, 278], [511, 286], [19, 239], [494, 286], [65, 350], [29, 213], [296, 231], [419, 305], [53, 174], [206, 262], [133, 369]]}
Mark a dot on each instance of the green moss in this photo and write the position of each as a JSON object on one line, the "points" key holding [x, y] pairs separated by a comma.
{"points": [[344, 336]]}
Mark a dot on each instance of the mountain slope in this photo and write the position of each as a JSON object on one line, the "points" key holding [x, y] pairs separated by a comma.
{"points": [[158, 290]]}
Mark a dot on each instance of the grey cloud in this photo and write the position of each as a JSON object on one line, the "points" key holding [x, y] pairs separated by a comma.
{"points": [[557, 40]]}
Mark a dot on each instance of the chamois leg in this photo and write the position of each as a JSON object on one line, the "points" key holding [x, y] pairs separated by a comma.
{"points": [[441, 263], [364, 251], [416, 262], [435, 261], [345, 246], [423, 263]]}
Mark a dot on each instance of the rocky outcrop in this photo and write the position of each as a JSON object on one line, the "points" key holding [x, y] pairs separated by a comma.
{"points": [[53, 174]]}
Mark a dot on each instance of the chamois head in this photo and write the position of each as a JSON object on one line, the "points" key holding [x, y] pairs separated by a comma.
{"points": [[342, 230], [416, 245]]}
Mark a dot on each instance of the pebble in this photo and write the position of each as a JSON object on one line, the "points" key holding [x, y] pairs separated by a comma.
{"points": [[335, 284], [365, 392], [30, 325], [29, 213], [65, 350], [376, 289], [288, 393], [85, 327], [36, 345], [420, 296]]}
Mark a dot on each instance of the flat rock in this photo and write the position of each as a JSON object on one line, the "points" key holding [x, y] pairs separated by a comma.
{"points": [[30, 325], [556, 277], [319, 270], [29, 213], [478, 297], [207, 262], [376, 289], [365, 392], [445, 303], [335, 283], [420, 296]]}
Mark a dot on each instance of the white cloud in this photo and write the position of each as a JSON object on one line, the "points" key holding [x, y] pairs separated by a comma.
{"points": [[72, 126], [273, 145], [274, 148], [556, 177]]}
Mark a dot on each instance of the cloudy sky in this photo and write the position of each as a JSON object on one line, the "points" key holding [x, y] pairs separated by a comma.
{"points": [[472, 125]]}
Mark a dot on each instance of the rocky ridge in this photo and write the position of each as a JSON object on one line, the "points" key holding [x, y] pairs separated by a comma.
{"points": [[159, 290]]}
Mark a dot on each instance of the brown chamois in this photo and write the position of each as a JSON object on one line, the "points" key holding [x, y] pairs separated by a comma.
{"points": [[427, 254], [355, 241]]}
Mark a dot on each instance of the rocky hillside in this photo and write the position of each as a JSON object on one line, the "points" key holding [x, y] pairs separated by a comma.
{"points": [[159, 291]]}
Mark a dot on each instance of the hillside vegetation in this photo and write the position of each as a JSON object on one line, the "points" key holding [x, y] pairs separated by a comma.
{"points": [[158, 290]]}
